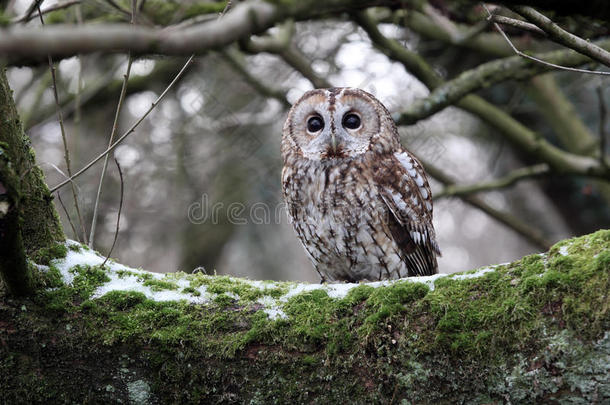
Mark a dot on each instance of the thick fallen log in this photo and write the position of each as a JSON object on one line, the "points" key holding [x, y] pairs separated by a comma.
{"points": [[533, 331]]}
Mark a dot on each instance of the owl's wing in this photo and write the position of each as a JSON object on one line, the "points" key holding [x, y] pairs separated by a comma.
{"points": [[405, 191]]}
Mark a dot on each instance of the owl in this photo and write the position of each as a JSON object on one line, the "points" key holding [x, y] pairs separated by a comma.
{"points": [[358, 201]]}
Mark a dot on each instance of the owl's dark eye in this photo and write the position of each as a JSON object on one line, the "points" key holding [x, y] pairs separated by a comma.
{"points": [[351, 121], [315, 123]]}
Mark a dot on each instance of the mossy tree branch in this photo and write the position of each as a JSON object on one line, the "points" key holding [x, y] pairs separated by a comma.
{"points": [[533, 331]]}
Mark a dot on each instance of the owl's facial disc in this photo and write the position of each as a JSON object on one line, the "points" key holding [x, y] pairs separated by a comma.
{"points": [[334, 123]]}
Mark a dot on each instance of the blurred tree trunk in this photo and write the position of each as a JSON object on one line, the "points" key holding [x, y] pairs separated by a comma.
{"points": [[28, 220]]}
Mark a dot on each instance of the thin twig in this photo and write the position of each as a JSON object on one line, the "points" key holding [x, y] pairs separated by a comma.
{"points": [[526, 56], [59, 6], [118, 218], [135, 124], [113, 132], [454, 190], [67, 215], [603, 116], [33, 7], [76, 120], [130, 130], [64, 139]]}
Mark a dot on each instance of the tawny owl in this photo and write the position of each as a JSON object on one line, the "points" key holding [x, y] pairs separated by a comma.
{"points": [[359, 202]]}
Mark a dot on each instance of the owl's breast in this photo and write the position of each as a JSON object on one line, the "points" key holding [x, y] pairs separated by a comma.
{"points": [[339, 217]]}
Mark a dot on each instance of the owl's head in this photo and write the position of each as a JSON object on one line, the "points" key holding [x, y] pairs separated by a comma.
{"points": [[338, 123]]}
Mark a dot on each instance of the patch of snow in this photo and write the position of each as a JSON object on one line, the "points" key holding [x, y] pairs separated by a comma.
{"points": [[271, 308], [563, 250], [476, 274], [339, 290], [134, 281]]}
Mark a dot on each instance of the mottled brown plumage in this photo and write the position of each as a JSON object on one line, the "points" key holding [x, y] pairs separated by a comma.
{"points": [[359, 202]]}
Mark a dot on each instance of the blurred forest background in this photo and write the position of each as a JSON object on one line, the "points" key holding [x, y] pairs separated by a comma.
{"points": [[202, 171]]}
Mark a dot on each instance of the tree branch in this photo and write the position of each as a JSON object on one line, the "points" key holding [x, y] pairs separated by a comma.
{"points": [[231, 57], [532, 234], [58, 6], [599, 9], [130, 130], [281, 45], [541, 61], [522, 137], [560, 114], [455, 190], [22, 44], [486, 75], [562, 36], [500, 19], [522, 332]]}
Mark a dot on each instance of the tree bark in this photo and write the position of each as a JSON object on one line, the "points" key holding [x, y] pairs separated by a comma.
{"points": [[28, 221], [533, 331]]}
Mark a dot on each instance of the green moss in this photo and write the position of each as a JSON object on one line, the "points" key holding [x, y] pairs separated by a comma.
{"points": [[87, 279], [403, 341], [245, 291], [77, 248], [160, 285], [49, 279], [388, 301], [45, 255], [191, 290]]}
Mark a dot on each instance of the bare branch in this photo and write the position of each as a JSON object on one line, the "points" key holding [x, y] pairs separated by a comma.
{"points": [[530, 233], [130, 130], [33, 7], [63, 206], [58, 6], [115, 126], [20, 44], [232, 59], [522, 137], [118, 217], [455, 190], [538, 60], [280, 45], [64, 140], [500, 19], [486, 75], [562, 36]]}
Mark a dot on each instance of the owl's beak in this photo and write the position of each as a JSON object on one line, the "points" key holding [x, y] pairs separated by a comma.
{"points": [[333, 142]]}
